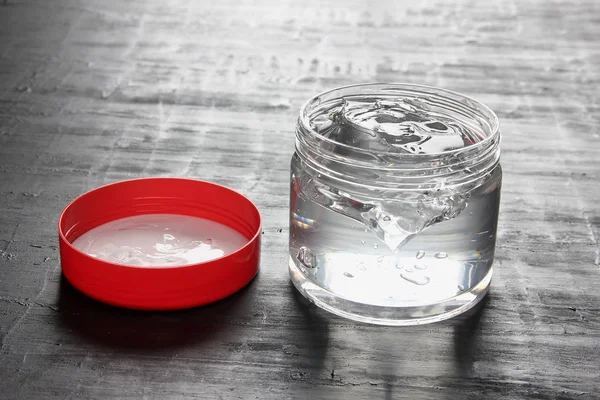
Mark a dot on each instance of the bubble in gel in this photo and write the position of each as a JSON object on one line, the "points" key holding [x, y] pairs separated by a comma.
{"points": [[306, 257], [417, 280]]}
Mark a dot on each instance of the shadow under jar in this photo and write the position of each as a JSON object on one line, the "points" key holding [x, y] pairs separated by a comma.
{"points": [[395, 191]]}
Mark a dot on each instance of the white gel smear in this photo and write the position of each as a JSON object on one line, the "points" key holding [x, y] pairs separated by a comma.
{"points": [[160, 240]]}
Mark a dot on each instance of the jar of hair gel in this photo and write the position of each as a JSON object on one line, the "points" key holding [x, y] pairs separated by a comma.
{"points": [[395, 191]]}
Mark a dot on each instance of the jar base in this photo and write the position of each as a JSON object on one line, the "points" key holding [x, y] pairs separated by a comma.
{"points": [[390, 316]]}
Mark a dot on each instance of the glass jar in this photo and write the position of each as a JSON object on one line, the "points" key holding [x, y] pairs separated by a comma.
{"points": [[395, 191]]}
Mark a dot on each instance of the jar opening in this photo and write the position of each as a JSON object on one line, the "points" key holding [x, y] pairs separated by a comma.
{"points": [[398, 136], [397, 120]]}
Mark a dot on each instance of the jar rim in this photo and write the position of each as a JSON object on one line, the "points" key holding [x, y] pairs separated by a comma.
{"points": [[475, 105]]}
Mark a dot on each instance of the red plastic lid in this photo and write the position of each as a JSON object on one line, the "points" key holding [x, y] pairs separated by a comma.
{"points": [[160, 288]]}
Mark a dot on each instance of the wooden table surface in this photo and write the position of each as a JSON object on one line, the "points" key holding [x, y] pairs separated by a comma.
{"points": [[96, 91]]}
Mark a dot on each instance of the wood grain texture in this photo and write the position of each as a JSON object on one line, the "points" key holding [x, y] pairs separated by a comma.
{"points": [[95, 91]]}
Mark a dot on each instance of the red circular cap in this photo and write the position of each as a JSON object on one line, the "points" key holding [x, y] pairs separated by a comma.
{"points": [[160, 288]]}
